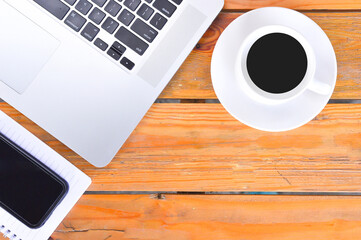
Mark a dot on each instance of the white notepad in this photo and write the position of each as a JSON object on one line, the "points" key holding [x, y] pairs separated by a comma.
{"points": [[77, 180]]}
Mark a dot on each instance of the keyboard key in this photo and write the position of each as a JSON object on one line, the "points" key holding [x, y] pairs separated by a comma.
{"points": [[119, 48], [110, 25], [144, 30], [100, 44], [126, 17], [127, 63], [114, 54], [113, 8], [100, 3], [90, 31], [75, 21], [55, 7], [131, 41], [132, 4], [148, 1], [97, 16], [177, 1], [145, 11], [158, 21], [70, 2], [83, 6], [165, 7]]}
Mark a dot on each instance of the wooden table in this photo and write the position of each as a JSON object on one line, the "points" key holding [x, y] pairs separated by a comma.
{"points": [[191, 171]]}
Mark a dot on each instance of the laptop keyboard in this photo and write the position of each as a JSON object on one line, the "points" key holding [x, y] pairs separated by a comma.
{"points": [[134, 24]]}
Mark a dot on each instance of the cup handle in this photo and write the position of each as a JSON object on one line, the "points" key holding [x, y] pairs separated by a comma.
{"points": [[320, 87]]}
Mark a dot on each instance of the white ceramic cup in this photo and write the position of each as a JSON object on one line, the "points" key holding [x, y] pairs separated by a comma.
{"points": [[308, 83]]}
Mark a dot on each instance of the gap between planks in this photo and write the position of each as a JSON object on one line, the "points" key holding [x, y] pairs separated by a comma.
{"points": [[166, 100], [221, 193]]}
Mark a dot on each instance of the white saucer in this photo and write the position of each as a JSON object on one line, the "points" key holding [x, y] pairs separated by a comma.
{"points": [[286, 115]]}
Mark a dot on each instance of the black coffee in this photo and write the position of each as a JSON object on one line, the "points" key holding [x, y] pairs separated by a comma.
{"points": [[277, 63]]}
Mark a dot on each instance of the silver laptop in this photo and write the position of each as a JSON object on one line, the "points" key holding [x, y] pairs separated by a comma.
{"points": [[87, 71]]}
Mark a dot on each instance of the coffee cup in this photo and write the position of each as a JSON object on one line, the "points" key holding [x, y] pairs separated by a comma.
{"points": [[276, 64]]}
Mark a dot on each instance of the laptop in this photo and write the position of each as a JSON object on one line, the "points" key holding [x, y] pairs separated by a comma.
{"points": [[87, 71]]}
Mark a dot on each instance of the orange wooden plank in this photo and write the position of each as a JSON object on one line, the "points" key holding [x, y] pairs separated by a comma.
{"points": [[200, 147], [294, 4], [193, 80], [213, 217]]}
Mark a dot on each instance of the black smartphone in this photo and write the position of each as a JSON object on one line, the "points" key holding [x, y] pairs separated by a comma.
{"points": [[29, 190]]}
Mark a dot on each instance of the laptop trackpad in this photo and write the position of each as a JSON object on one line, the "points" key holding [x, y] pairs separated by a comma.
{"points": [[24, 48]]}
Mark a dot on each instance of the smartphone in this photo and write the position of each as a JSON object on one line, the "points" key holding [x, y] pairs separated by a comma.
{"points": [[29, 190]]}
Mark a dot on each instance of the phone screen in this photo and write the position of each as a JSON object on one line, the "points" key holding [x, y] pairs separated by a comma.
{"points": [[28, 189]]}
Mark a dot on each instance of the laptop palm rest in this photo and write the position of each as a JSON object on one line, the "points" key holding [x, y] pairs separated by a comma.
{"points": [[172, 45], [23, 52]]}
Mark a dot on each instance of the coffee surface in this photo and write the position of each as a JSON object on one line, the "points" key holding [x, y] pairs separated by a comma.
{"points": [[277, 63]]}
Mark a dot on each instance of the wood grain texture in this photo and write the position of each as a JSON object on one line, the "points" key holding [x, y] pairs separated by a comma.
{"points": [[193, 80], [200, 147], [294, 4], [213, 217]]}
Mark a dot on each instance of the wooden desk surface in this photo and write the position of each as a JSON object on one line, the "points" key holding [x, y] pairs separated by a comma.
{"points": [[190, 171]]}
